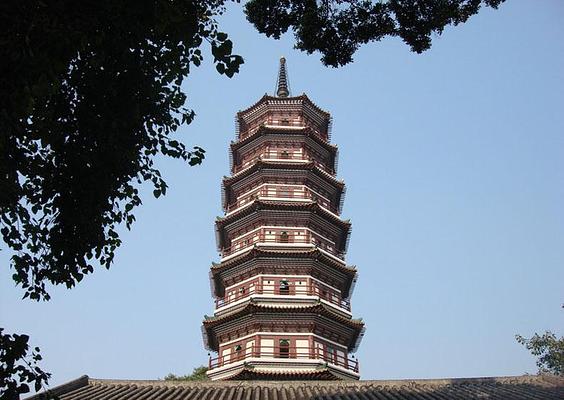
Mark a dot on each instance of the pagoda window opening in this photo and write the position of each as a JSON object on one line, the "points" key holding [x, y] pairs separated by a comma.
{"points": [[332, 355], [284, 287], [238, 352], [285, 154], [284, 237], [284, 192], [284, 348]]}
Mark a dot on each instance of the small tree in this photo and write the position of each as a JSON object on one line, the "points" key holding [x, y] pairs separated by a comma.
{"points": [[549, 350], [199, 374]]}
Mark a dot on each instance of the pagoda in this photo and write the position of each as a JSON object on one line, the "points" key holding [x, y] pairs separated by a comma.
{"points": [[282, 288]]}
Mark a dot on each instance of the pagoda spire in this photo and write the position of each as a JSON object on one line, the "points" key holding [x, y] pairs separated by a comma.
{"points": [[282, 89]]}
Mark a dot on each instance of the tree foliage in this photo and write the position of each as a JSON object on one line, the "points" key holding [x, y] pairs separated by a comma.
{"points": [[549, 351], [337, 28], [18, 366], [91, 92], [198, 374]]}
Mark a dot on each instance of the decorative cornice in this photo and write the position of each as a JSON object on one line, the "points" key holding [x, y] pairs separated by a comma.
{"points": [[263, 164], [254, 252], [258, 204], [264, 130], [272, 100], [251, 308]]}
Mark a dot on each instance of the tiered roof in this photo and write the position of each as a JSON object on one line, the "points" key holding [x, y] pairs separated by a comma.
{"points": [[301, 131], [284, 169], [253, 259], [270, 103], [279, 208], [284, 313], [279, 133]]}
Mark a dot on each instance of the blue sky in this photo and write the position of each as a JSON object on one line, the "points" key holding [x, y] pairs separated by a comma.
{"points": [[454, 164]]}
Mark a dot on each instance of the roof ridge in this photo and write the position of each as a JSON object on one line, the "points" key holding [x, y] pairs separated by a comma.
{"points": [[520, 386], [555, 380]]}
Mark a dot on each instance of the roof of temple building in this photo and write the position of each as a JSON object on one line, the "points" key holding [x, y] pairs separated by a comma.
{"points": [[500, 388]]}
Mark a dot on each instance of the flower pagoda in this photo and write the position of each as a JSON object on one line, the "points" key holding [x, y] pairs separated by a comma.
{"points": [[282, 286]]}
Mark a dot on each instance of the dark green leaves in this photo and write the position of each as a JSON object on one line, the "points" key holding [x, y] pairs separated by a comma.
{"points": [[18, 366], [197, 156], [90, 95], [338, 28], [226, 62], [549, 351]]}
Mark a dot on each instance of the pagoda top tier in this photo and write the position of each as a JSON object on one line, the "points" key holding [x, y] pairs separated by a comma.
{"points": [[284, 111]]}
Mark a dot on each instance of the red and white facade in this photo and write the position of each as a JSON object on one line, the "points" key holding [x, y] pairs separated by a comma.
{"points": [[282, 287]]}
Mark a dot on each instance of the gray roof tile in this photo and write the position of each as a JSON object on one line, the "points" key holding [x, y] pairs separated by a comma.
{"points": [[505, 388]]}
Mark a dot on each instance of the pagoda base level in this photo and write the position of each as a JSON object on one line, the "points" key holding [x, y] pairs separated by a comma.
{"points": [[249, 374], [276, 370]]}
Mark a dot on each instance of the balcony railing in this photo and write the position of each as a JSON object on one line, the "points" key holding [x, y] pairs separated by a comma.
{"points": [[295, 353], [273, 191], [327, 294], [253, 128], [279, 239]]}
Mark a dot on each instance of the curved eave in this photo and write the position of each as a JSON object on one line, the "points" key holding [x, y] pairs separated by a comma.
{"points": [[251, 308], [285, 206], [265, 130], [267, 98], [256, 252], [251, 108], [320, 309], [217, 286], [228, 180], [259, 205]]}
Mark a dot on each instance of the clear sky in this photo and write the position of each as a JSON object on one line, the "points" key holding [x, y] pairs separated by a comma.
{"points": [[454, 164]]}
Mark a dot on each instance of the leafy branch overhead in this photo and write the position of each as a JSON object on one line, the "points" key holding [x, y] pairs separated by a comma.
{"points": [[91, 94], [337, 28]]}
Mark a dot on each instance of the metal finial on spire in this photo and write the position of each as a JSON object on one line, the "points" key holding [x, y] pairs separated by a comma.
{"points": [[282, 89]]}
